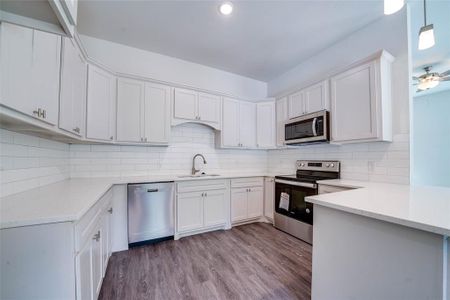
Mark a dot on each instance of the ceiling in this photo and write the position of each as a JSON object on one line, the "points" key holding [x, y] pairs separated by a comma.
{"points": [[260, 40], [438, 56]]}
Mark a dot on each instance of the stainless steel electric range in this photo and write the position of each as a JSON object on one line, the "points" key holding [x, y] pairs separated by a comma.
{"points": [[292, 214]]}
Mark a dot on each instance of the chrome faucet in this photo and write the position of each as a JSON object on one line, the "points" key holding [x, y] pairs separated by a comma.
{"points": [[194, 170]]}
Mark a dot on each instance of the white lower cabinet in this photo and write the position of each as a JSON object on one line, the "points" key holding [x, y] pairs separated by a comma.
{"points": [[202, 206], [269, 197], [55, 261], [247, 199]]}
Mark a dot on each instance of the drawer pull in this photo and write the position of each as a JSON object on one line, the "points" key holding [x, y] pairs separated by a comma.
{"points": [[110, 210], [152, 190]]}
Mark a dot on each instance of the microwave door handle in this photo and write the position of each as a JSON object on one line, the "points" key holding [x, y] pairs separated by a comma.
{"points": [[314, 122]]}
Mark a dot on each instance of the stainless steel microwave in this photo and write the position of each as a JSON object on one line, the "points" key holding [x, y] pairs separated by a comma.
{"points": [[307, 129]]}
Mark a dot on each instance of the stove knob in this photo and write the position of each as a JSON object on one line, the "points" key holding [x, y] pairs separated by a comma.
{"points": [[327, 165], [332, 165]]}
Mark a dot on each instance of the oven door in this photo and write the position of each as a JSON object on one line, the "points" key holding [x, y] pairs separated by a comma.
{"points": [[307, 129], [297, 191]]}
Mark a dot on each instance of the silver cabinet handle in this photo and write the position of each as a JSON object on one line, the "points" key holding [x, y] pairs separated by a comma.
{"points": [[110, 210], [145, 139], [142, 139], [152, 190], [44, 114], [37, 112], [97, 236], [206, 194], [76, 129], [111, 138]]}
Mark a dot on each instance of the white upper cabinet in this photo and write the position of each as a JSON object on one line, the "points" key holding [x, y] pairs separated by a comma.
{"points": [[30, 66], [72, 98], [265, 125], [193, 106], [281, 118], [296, 105], [185, 104], [230, 125], [308, 100], [247, 124], [100, 105], [143, 112], [130, 100], [361, 102], [157, 113]]}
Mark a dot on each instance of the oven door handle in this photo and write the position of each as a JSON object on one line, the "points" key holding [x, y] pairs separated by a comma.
{"points": [[296, 183], [314, 123]]}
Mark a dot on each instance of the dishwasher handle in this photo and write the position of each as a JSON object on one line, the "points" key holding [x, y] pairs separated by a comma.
{"points": [[152, 190]]}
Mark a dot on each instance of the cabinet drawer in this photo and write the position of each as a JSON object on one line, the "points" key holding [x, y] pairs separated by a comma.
{"points": [[325, 189], [201, 185], [85, 226], [247, 182]]}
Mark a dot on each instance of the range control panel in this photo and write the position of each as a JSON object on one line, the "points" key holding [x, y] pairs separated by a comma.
{"points": [[318, 165]]}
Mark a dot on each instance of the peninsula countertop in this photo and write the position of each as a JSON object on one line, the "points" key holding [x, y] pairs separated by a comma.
{"points": [[422, 207], [69, 200]]}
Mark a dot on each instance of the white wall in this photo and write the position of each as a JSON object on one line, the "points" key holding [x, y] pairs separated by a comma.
{"points": [[129, 60], [28, 162], [431, 139], [187, 140], [387, 162]]}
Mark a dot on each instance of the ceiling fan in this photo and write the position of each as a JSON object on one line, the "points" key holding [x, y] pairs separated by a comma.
{"points": [[429, 80]]}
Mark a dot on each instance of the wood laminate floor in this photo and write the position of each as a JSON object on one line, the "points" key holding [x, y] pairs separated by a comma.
{"points": [[253, 261]]}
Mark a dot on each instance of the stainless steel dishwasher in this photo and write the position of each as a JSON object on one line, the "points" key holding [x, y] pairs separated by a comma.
{"points": [[150, 212]]}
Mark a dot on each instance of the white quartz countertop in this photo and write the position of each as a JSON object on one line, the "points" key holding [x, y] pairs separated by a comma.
{"points": [[420, 207], [69, 200]]}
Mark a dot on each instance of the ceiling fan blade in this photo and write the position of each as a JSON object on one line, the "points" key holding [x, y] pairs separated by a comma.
{"points": [[444, 79], [446, 73]]}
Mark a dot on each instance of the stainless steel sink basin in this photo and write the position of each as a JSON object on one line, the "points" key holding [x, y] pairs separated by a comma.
{"points": [[198, 176]]}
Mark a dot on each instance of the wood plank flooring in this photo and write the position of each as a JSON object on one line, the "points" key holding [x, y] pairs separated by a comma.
{"points": [[254, 261]]}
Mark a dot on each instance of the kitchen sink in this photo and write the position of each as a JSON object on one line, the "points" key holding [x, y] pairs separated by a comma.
{"points": [[198, 176]]}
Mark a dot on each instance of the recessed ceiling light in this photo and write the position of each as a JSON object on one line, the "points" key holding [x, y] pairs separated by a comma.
{"points": [[226, 8]]}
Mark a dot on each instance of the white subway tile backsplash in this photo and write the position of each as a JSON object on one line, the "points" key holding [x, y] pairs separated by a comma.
{"points": [[27, 162]]}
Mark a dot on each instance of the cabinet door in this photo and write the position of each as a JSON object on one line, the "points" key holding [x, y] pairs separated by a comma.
{"points": [[97, 262], [316, 97], [189, 211], [100, 104], [46, 74], [296, 105], [282, 117], [16, 64], [30, 65], [239, 204], [353, 94], [265, 125], [230, 125], [130, 99], [209, 108], [185, 104], [84, 273], [105, 240], [269, 197], [72, 98], [157, 113], [255, 202], [214, 208], [247, 124]]}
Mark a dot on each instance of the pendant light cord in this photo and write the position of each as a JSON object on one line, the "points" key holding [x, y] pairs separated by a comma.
{"points": [[425, 12]]}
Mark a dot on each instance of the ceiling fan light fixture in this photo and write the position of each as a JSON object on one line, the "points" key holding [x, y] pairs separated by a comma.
{"points": [[393, 6], [428, 83], [426, 37]]}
